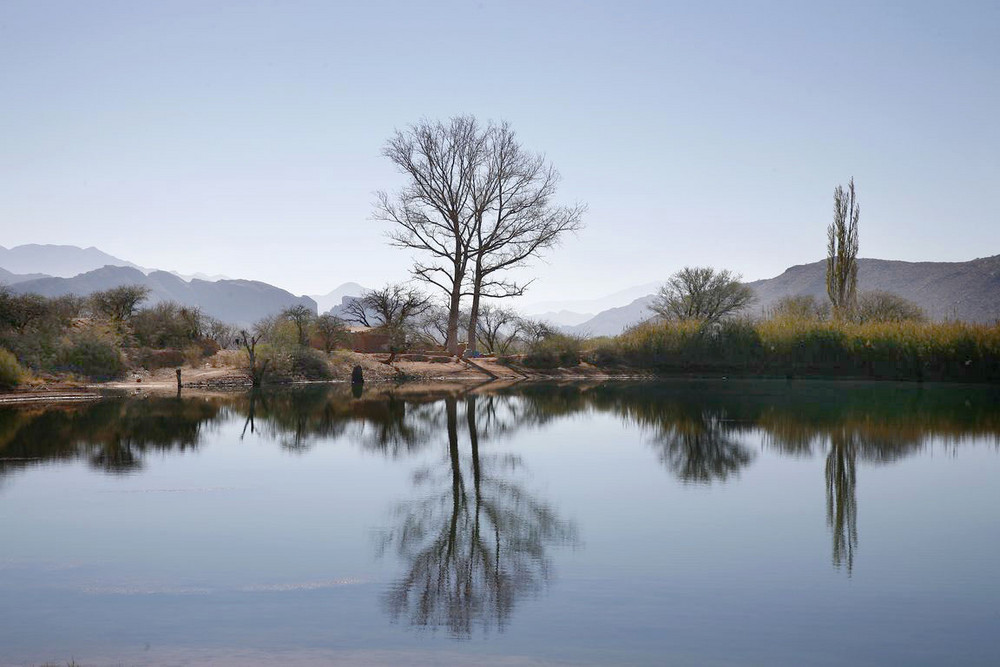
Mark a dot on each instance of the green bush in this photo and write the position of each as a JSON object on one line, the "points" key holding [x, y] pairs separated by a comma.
{"points": [[555, 351], [94, 358], [11, 372]]}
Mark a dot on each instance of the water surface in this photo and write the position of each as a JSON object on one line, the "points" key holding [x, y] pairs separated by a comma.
{"points": [[685, 522]]}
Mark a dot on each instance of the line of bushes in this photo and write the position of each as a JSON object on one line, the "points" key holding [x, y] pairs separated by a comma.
{"points": [[797, 347]]}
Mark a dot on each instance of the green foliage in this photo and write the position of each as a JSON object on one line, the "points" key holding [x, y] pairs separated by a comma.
{"points": [[93, 357], [554, 351], [842, 251], [11, 372], [807, 347], [167, 325], [118, 303]]}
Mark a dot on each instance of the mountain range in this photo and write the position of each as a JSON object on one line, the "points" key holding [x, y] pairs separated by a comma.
{"points": [[945, 290], [238, 302]]}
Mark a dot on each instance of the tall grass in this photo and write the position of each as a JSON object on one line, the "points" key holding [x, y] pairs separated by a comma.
{"points": [[804, 347]]}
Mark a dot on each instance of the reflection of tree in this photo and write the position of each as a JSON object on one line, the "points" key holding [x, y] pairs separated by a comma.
{"points": [[112, 435], [471, 552], [841, 499], [699, 448]]}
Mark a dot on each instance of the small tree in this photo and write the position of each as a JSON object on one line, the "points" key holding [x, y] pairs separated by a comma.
{"points": [[702, 293], [300, 316], [842, 251], [498, 329], [392, 307], [879, 306], [799, 307], [119, 303], [331, 331], [249, 342]]}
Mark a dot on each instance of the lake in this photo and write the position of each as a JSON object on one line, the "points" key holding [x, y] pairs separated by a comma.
{"points": [[703, 522]]}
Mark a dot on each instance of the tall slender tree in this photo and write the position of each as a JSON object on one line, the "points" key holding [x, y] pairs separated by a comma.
{"points": [[842, 251]]}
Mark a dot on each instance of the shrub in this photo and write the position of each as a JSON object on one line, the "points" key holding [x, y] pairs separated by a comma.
{"points": [[94, 358], [310, 364], [878, 306], [156, 359], [11, 372], [193, 355], [555, 351]]}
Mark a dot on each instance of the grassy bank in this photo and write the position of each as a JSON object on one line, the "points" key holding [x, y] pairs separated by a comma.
{"points": [[953, 351]]}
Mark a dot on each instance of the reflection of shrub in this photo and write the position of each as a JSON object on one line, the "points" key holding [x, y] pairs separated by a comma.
{"points": [[93, 357], [11, 372], [556, 351], [309, 363]]}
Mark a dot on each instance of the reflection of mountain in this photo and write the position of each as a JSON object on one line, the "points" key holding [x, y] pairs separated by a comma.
{"points": [[472, 551]]}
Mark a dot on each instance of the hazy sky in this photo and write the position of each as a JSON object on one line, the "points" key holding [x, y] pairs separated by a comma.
{"points": [[244, 137]]}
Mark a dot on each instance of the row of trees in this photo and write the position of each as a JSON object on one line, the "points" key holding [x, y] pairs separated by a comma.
{"points": [[412, 319]]}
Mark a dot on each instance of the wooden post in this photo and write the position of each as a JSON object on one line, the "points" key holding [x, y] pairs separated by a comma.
{"points": [[178, 380]]}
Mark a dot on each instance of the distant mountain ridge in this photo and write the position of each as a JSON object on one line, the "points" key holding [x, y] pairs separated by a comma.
{"points": [[233, 301], [334, 299], [967, 291], [62, 261]]}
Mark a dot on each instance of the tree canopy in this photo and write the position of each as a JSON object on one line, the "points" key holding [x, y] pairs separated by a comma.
{"points": [[702, 293]]}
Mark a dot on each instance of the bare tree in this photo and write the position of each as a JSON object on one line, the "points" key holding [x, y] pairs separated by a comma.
{"points": [[331, 331], [535, 331], [249, 342], [433, 213], [842, 251], [392, 307], [499, 328], [701, 293], [515, 218], [879, 306], [432, 325]]}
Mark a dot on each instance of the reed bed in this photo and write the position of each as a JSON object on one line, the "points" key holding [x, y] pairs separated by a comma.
{"points": [[958, 351]]}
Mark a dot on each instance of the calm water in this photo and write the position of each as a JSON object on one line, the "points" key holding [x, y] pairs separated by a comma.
{"points": [[689, 522]]}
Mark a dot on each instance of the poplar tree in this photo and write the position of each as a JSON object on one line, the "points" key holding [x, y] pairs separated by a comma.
{"points": [[842, 251]]}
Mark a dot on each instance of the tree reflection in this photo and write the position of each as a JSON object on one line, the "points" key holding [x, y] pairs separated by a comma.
{"points": [[841, 499], [112, 435], [471, 551]]}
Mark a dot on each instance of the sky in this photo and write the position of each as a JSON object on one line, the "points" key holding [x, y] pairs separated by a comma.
{"points": [[244, 138]]}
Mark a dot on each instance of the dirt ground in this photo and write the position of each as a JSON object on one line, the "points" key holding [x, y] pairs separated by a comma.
{"points": [[417, 371]]}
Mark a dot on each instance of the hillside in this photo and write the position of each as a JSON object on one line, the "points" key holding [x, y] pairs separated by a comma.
{"points": [[233, 301], [62, 261], [945, 290], [9, 278]]}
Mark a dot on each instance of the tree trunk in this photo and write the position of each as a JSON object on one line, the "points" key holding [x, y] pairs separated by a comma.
{"points": [[474, 312], [454, 307]]}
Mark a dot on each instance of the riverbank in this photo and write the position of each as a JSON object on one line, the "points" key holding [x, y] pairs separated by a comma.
{"points": [[411, 370]]}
